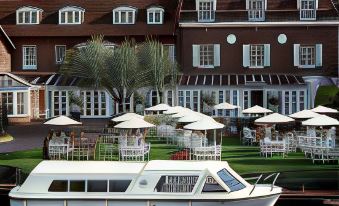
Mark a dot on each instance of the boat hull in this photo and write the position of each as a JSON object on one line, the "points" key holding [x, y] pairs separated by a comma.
{"points": [[258, 201]]}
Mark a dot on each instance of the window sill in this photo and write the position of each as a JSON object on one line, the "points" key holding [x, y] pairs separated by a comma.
{"points": [[256, 67], [18, 115], [124, 23], [27, 23], [29, 68], [205, 67], [157, 23], [69, 23], [206, 21], [307, 67]]}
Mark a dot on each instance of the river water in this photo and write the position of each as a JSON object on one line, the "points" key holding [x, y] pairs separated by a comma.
{"points": [[308, 180]]}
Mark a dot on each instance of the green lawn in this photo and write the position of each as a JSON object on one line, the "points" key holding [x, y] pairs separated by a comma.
{"points": [[243, 159], [324, 95]]}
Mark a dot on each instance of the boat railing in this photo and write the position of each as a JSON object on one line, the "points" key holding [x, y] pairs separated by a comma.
{"points": [[258, 178]]}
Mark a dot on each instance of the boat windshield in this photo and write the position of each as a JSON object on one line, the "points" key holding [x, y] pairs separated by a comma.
{"points": [[230, 181]]}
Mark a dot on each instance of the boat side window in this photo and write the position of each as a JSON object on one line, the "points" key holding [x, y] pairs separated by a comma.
{"points": [[77, 185], [212, 186], [58, 186], [97, 186], [118, 185], [176, 184], [230, 181]]}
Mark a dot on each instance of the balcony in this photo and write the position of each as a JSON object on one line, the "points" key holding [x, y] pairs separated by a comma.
{"points": [[308, 14], [256, 15]]}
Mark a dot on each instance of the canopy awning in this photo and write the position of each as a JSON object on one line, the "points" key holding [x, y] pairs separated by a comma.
{"points": [[206, 123], [323, 109], [126, 117], [134, 123], [304, 114], [62, 121], [256, 110], [274, 118], [159, 107], [321, 120]]}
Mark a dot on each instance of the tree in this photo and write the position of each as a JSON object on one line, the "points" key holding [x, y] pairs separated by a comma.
{"points": [[100, 67], [155, 57]]}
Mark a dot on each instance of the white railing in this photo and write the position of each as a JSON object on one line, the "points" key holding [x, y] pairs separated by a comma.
{"points": [[256, 15], [308, 14], [207, 153]]}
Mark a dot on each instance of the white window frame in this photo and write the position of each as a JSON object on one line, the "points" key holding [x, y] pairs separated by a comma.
{"points": [[60, 102], [311, 14], [57, 60], [153, 11], [14, 104], [197, 55], [171, 51], [102, 106], [33, 60], [257, 56], [256, 14], [211, 10], [74, 10], [127, 10], [27, 10], [188, 98], [313, 56]]}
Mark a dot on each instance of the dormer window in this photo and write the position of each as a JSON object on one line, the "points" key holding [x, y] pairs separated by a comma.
{"points": [[71, 15], [308, 9], [256, 10], [124, 15], [155, 15], [28, 15], [206, 10]]}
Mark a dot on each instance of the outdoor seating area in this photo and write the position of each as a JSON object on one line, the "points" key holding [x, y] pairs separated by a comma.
{"points": [[317, 139], [197, 136]]}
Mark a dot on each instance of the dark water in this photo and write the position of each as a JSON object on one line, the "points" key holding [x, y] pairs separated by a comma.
{"points": [[309, 180]]}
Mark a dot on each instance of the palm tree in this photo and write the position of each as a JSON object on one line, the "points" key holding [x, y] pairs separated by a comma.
{"points": [[99, 67], [155, 57]]}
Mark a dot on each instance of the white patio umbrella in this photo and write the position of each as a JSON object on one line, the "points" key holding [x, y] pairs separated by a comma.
{"points": [[182, 113], [135, 123], [226, 106], [62, 121], [323, 109], [256, 110], [274, 118], [159, 107], [321, 120], [191, 117], [206, 123], [174, 110], [126, 117], [304, 114]]}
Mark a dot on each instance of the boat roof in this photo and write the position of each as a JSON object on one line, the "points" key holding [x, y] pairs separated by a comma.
{"points": [[86, 167], [102, 167], [169, 165]]}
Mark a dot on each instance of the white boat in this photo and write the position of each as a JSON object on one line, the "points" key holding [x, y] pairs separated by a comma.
{"points": [[155, 183]]}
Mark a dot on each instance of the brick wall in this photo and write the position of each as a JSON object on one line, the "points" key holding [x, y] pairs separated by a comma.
{"points": [[5, 56]]}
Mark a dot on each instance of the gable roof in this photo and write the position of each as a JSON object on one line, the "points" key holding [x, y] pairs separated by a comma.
{"points": [[16, 78], [2, 31]]}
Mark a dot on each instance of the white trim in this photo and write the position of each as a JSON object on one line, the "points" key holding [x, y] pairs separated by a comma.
{"points": [[55, 51], [73, 9], [155, 10], [29, 67], [251, 24], [28, 9], [124, 9]]}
